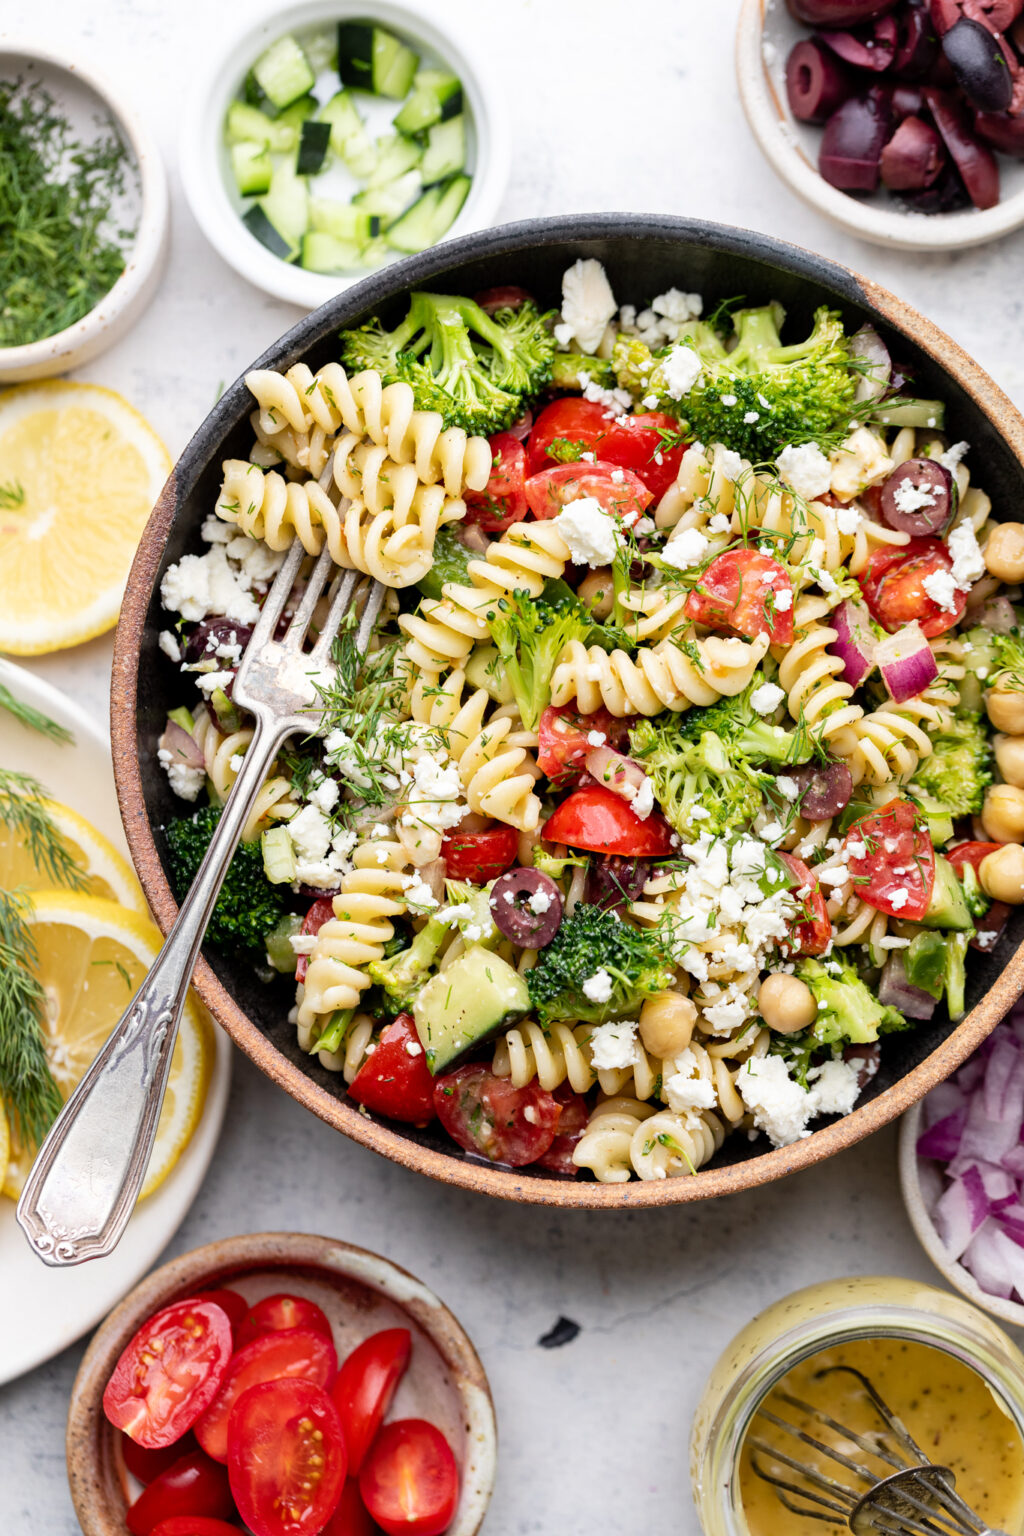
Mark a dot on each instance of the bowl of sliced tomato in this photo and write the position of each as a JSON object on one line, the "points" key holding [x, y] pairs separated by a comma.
{"points": [[282, 1384]]}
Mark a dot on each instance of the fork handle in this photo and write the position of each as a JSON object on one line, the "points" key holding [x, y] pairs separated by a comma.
{"points": [[84, 1183]]}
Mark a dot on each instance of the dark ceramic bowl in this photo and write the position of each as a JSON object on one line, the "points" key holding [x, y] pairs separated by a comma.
{"points": [[644, 255]]}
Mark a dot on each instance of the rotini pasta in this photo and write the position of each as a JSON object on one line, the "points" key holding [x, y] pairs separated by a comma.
{"points": [[669, 1145], [674, 674], [605, 1148], [812, 676], [490, 747]]}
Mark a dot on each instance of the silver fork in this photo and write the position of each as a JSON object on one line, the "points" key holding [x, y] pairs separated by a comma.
{"points": [[83, 1185]]}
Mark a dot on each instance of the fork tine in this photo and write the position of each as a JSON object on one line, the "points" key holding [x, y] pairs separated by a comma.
{"points": [[374, 601], [296, 631], [266, 624], [340, 603]]}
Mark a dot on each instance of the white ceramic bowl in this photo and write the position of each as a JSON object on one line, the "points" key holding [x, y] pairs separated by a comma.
{"points": [[206, 170], [764, 37], [921, 1185], [83, 96]]}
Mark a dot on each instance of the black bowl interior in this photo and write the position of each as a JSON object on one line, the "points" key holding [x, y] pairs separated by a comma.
{"points": [[643, 256]]}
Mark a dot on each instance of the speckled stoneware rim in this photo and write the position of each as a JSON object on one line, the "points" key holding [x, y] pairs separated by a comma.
{"points": [[96, 1490], [506, 1183]]}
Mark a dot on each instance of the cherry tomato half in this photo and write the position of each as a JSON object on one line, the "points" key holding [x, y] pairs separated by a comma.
{"points": [[146, 1465], [563, 738], [169, 1372], [597, 819], [970, 853], [193, 1485], [631, 442], [230, 1302], [745, 593], [479, 856], [410, 1483], [894, 590], [502, 501], [276, 1313], [365, 1386], [893, 865], [616, 490], [487, 1114], [319, 913], [286, 1458], [351, 1518], [572, 1122], [813, 928], [395, 1079], [195, 1525], [294, 1353]]}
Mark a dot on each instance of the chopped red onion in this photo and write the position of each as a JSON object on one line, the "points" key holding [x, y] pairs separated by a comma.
{"points": [[855, 642], [942, 1139], [177, 741], [867, 345], [622, 775], [895, 991], [996, 614], [906, 663]]}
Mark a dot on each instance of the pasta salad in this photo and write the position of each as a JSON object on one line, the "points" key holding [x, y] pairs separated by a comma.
{"points": [[687, 759]]}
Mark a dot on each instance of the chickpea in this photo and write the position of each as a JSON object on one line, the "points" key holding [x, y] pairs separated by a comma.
{"points": [[1004, 552], [786, 1003], [1005, 707], [666, 1024], [1002, 815], [1010, 759], [597, 592], [1002, 874]]}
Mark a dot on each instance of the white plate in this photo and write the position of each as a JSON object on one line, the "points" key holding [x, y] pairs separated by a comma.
{"points": [[55, 1307]]}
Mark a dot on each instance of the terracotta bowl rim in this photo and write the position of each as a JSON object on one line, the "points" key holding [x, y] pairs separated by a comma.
{"points": [[481, 1178], [215, 1263]]}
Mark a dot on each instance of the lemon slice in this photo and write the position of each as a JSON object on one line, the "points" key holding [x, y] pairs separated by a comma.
{"points": [[80, 471], [108, 874], [93, 955]]}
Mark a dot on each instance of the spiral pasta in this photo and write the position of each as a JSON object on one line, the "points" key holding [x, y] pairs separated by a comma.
{"points": [[605, 1146], [275, 800], [812, 676], [553, 1056], [355, 1048], [670, 1145], [671, 675]]}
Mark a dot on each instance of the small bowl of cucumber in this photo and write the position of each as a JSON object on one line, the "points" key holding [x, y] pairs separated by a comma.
{"points": [[329, 140]]}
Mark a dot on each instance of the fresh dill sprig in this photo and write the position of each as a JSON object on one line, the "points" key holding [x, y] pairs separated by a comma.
{"points": [[27, 1087], [12, 494], [363, 701], [34, 718], [23, 811]]}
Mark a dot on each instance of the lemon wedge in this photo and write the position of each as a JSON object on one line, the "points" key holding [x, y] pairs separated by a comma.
{"points": [[107, 873], [93, 955], [80, 472]]}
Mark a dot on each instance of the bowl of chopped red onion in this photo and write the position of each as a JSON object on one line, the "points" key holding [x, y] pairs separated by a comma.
{"points": [[961, 1163]]}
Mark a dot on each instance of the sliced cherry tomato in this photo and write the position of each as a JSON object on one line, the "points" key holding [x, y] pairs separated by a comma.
{"points": [[507, 296], [502, 501], [486, 1114], [365, 1386], [351, 1518], [564, 740], [599, 820], [146, 1465], [192, 1485], [617, 491], [319, 913], [195, 1525], [891, 859], [479, 856], [230, 1302], [395, 1079], [970, 853], [740, 592], [169, 1372], [572, 1122], [409, 1482], [894, 590], [286, 1458], [294, 1353], [276, 1313], [813, 930], [631, 442]]}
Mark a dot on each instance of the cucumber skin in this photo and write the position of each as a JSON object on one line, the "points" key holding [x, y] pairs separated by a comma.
{"points": [[313, 142], [285, 60], [355, 54], [260, 227]]}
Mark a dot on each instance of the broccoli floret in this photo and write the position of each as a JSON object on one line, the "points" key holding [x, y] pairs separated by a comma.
{"points": [[959, 770], [636, 960], [476, 369], [738, 725], [847, 1009], [530, 636], [1007, 666], [403, 974], [571, 370], [936, 963], [248, 906]]}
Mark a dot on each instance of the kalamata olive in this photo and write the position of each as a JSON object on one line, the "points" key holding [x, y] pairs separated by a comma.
{"points": [[919, 498], [913, 157], [918, 45], [838, 13], [979, 64], [852, 144], [974, 160], [907, 101], [614, 881], [1001, 131], [816, 82], [996, 15], [944, 195], [871, 48], [823, 789], [527, 907], [211, 633]]}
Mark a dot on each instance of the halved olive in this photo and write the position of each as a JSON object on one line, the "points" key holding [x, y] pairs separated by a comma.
{"points": [[527, 907]]}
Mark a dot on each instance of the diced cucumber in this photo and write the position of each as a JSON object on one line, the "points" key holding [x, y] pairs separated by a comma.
{"points": [[373, 59], [445, 152], [285, 209], [322, 49], [396, 154], [280, 953], [421, 110], [436, 96], [388, 202], [446, 87], [183, 717], [283, 73], [278, 856], [226, 711], [342, 220], [343, 116], [360, 154], [248, 125], [293, 117], [258, 225], [376, 253], [313, 141], [253, 168], [429, 219], [326, 253]]}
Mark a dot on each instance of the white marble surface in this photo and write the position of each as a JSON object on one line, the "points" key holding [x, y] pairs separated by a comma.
{"points": [[613, 112]]}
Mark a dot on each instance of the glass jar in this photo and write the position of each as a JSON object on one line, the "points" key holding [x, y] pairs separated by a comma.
{"points": [[818, 1318]]}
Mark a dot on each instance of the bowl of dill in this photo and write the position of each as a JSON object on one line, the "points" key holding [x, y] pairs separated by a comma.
{"points": [[598, 991], [83, 213]]}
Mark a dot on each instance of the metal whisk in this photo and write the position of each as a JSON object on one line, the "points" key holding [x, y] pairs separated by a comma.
{"points": [[916, 1499]]}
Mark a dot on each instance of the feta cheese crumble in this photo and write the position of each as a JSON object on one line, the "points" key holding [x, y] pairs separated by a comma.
{"points": [[613, 1045], [587, 305], [685, 550], [589, 531], [680, 370], [782, 1109], [805, 469], [968, 560], [767, 698], [941, 587], [598, 988], [185, 781]]}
